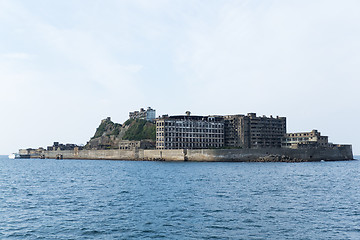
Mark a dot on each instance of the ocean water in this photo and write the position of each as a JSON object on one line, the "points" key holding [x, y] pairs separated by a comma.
{"points": [[83, 199]]}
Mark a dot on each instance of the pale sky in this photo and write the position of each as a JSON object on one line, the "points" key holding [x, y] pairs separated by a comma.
{"points": [[65, 65]]}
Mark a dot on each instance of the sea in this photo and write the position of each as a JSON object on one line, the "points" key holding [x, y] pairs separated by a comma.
{"points": [[99, 199]]}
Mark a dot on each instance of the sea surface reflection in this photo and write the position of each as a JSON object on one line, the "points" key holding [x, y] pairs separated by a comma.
{"points": [[83, 199]]}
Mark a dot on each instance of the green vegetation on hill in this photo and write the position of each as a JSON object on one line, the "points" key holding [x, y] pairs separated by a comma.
{"points": [[128, 122], [107, 126], [100, 130], [140, 129]]}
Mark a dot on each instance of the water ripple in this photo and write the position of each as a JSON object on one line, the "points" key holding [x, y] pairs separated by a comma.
{"points": [[48, 199]]}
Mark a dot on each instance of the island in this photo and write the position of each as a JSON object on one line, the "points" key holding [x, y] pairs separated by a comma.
{"points": [[212, 138]]}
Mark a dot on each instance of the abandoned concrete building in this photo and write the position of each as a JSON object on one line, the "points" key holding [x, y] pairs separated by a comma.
{"points": [[253, 131], [59, 146], [131, 145], [189, 132], [236, 131], [305, 139], [148, 115]]}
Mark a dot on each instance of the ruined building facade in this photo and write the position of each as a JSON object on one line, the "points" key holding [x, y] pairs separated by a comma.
{"points": [[189, 132], [234, 131], [148, 115], [251, 131], [305, 139]]}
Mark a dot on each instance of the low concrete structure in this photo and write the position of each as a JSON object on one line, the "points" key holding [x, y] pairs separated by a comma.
{"points": [[305, 140], [30, 153], [130, 145], [60, 146]]}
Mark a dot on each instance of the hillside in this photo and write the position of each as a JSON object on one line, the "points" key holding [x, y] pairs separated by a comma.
{"points": [[140, 129], [107, 128], [109, 134]]}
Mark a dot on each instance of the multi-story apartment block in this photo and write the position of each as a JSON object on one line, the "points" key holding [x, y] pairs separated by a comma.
{"points": [[237, 131], [148, 114], [189, 132], [305, 139], [253, 131], [266, 131]]}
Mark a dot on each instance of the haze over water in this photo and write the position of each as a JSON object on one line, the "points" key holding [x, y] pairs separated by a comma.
{"points": [[79, 199]]}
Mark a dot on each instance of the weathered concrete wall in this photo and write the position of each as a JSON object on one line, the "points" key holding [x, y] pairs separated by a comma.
{"points": [[343, 152], [139, 154], [168, 155], [271, 154], [92, 154]]}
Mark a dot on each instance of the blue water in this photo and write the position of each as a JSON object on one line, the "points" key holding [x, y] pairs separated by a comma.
{"points": [[83, 199]]}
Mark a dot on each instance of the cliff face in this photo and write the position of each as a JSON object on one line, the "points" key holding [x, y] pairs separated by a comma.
{"points": [[109, 134], [107, 128]]}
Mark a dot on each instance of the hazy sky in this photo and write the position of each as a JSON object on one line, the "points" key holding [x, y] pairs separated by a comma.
{"points": [[65, 65]]}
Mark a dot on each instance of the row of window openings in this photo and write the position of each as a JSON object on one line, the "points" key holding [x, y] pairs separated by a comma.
{"points": [[266, 143], [189, 140], [298, 139], [187, 145], [274, 120], [300, 134], [266, 129], [188, 129], [215, 135], [278, 135], [193, 125]]}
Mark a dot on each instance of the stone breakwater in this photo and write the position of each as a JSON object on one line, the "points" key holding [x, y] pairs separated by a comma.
{"points": [[340, 152]]}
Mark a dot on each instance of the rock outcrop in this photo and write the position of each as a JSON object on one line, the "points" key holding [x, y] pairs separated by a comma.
{"points": [[109, 135]]}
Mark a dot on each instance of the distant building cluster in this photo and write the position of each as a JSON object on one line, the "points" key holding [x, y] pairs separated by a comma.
{"points": [[39, 152], [59, 146], [257, 135], [148, 115], [231, 131], [205, 132], [30, 151], [131, 145]]}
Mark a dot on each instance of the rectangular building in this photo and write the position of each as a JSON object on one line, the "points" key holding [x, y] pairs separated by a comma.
{"points": [[236, 131], [305, 139], [148, 114], [266, 131], [253, 131], [189, 132]]}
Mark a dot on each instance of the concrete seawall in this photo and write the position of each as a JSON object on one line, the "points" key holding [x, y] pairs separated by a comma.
{"points": [[340, 152]]}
